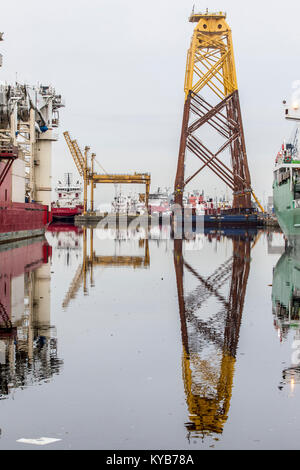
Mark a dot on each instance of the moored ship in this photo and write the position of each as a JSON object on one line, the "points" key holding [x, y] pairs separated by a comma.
{"points": [[68, 203], [28, 118], [286, 188], [159, 202]]}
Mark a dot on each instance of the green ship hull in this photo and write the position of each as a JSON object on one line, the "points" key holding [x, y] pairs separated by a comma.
{"points": [[287, 211]]}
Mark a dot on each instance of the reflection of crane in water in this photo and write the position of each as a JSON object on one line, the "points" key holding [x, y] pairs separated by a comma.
{"points": [[91, 259], [210, 344]]}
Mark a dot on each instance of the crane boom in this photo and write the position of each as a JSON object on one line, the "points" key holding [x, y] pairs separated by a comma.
{"points": [[78, 153], [74, 287], [74, 154], [257, 202]]}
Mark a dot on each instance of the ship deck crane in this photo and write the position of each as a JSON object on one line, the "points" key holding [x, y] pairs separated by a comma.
{"points": [[89, 176], [257, 201]]}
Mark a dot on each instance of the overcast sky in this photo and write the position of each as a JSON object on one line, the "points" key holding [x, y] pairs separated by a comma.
{"points": [[120, 66]]}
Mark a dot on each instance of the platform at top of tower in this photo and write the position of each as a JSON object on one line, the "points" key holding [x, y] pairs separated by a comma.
{"points": [[196, 17]]}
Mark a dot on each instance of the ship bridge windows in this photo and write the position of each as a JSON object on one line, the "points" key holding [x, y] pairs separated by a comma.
{"points": [[282, 175], [296, 181], [70, 190]]}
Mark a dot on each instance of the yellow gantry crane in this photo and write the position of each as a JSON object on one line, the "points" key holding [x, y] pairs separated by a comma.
{"points": [[89, 176]]}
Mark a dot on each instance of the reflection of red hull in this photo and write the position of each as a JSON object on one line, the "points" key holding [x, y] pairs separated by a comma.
{"points": [[64, 227], [66, 212], [26, 256]]}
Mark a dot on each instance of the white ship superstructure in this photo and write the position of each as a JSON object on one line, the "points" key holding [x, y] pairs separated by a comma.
{"points": [[68, 193]]}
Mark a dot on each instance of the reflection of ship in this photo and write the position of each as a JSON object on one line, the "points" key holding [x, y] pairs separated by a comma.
{"points": [[28, 346], [286, 188], [286, 292], [68, 203], [65, 238], [58, 227], [210, 341], [286, 305]]}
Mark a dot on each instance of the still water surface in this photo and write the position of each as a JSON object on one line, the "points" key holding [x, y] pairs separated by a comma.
{"points": [[134, 344]]}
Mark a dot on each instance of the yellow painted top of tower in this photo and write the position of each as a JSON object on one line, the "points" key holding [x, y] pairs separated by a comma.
{"points": [[210, 60], [196, 17], [210, 22]]}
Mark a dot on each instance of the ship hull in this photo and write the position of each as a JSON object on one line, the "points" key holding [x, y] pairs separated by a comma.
{"points": [[231, 220], [287, 212], [22, 220], [65, 213]]}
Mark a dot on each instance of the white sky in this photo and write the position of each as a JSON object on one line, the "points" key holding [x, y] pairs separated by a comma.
{"points": [[120, 66]]}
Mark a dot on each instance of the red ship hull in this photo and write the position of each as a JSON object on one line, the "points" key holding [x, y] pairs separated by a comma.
{"points": [[22, 220], [59, 213]]}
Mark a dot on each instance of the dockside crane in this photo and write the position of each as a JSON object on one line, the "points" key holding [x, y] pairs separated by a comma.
{"points": [[85, 167], [75, 153]]}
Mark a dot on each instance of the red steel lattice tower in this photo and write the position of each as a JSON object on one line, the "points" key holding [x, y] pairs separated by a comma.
{"points": [[210, 70]]}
